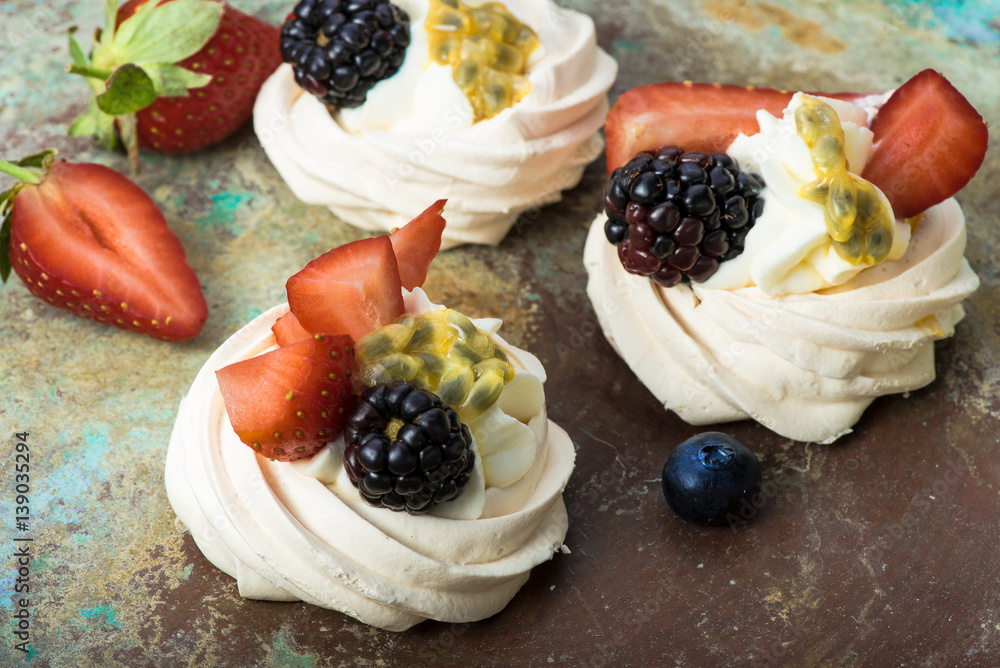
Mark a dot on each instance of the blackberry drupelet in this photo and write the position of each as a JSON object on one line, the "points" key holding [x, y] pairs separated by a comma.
{"points": [[676, 216], [406, 450], [339, 49]]}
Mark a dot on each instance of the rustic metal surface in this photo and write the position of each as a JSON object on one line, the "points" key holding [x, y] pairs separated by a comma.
{"points": [[879, 550]]}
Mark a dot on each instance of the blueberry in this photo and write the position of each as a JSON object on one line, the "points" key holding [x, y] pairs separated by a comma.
{"points": [[707, 477]]}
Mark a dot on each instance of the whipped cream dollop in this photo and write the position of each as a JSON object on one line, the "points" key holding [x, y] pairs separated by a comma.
{"points": [[300, 531], [413, 141], [789, 250], [789, 335]]}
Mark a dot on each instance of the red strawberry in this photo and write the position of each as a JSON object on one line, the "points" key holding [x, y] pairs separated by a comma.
{"points": [[694, 116], [929, 142], [87, 239], [288, 330], [287, 402], [200, 94], [352, 289], [416, 243]]}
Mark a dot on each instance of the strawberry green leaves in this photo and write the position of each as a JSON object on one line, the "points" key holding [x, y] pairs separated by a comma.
{"points": [[164, 34], [136, 62], [126, 91]]}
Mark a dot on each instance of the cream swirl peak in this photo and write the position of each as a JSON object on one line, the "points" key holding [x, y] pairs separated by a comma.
{"points": [[789, 249], [376, 165]]}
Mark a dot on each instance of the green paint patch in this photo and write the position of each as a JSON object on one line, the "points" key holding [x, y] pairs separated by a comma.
{"points": [[105, 612], [961, 20], [223, 213], [283, 654], [186, 572], [252, 313], [532, 296], [630, 46]]}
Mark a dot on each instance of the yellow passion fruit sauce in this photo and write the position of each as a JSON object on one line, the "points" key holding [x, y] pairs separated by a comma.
{"points": [[440, 351], [488, 50], [857, 218]]}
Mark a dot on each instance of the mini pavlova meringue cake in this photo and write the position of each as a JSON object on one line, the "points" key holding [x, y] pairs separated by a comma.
{"points": [[363, 449], [383, 106], [783, 257]]}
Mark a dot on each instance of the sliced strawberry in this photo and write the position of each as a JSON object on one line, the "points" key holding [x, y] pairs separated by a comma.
{"points": [[694, 116], [88, 240], [287, 402], [416, 243], [288, 330], [351, 289], [929, 142]]}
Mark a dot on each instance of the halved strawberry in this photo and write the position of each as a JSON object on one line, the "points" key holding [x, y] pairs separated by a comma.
{"points": [[288, 402], [694, 116], [416, 243], [929, 142], [351, 289], [88, 240], [288, 330]]}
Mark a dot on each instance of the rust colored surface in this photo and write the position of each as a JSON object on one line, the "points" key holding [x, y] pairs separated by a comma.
{"points": [[879, 550]]}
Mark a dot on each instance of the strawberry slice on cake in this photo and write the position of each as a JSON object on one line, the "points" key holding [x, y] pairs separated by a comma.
{"points": [[288, 401]]}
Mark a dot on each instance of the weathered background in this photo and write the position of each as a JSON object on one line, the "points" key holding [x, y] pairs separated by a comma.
{"points": [[880, 550]]}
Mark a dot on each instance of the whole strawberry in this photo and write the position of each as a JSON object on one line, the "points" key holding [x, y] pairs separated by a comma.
{"points": [[86, 239], [174, 76]]}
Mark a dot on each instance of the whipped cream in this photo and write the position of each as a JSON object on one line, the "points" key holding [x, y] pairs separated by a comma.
{"points": [[788, 250], [301, 531], [788, 333], [376, 167], [421, 93]]}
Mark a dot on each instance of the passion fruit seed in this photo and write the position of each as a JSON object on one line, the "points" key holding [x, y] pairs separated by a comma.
{"points": [[488, 50], [857, 219], [439, 351]]}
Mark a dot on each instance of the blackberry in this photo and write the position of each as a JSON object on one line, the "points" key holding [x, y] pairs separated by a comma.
{"points": [[676, 216], [339, 49], [406, 450]]}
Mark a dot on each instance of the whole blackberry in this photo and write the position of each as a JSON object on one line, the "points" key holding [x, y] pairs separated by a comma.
{"points": [[339, 49], [676, 216], [406, 450]]}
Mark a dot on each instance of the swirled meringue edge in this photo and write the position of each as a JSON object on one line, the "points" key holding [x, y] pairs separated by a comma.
{"points": [[285, 536], [805, 366]]}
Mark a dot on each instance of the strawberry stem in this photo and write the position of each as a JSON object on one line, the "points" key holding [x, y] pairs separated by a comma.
{"points": [[20, 173], [89, 71]]}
